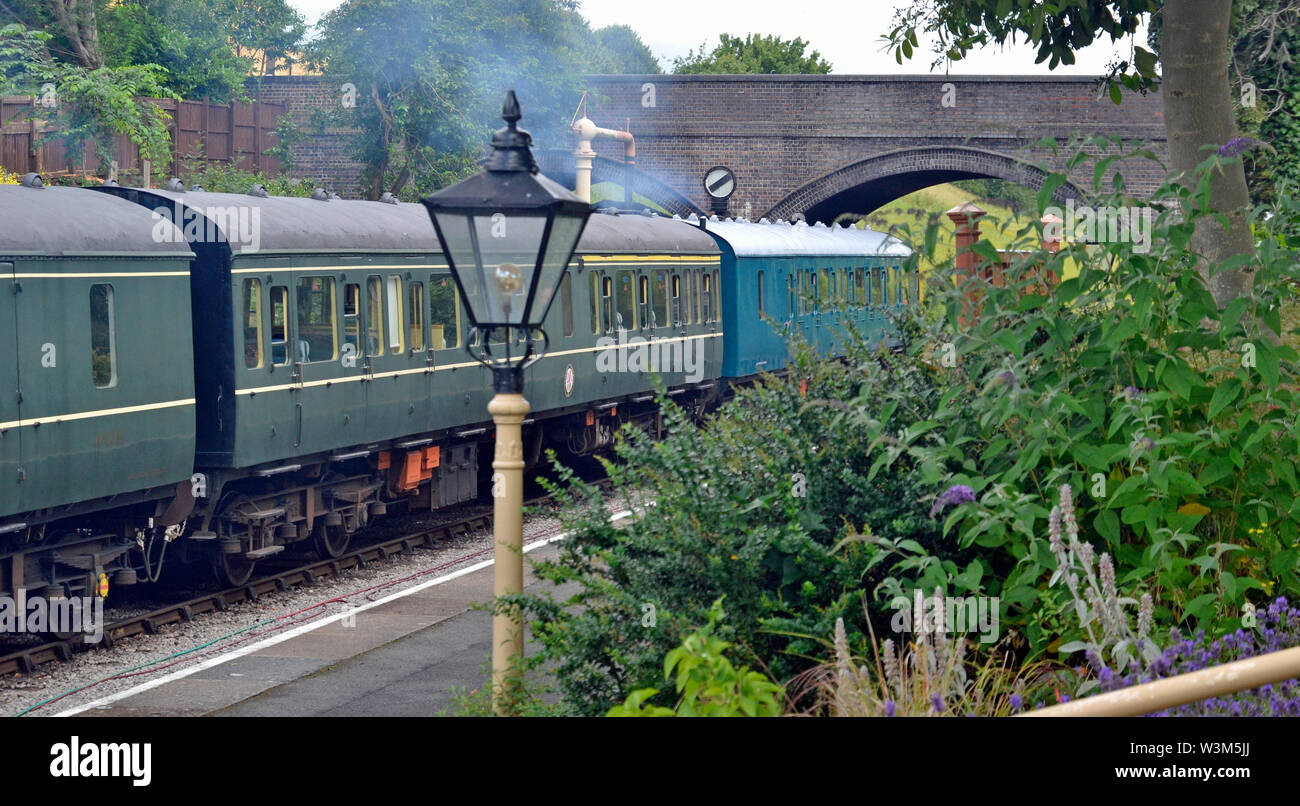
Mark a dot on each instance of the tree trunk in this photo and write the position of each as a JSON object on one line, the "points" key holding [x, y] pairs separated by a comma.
{"points": [[1198, 111], [78, 25]]}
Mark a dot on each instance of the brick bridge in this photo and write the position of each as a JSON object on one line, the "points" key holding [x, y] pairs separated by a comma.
{"points": [[830, 145]]}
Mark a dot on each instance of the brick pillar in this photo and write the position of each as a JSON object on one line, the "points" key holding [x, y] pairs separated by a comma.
{"points": [[966, 218], [1052, 235]]}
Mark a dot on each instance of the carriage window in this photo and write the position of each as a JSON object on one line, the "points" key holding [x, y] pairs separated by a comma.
{"points": [[790, 294], [823, 289], [625, 301], [915, 282], [760, 294], [803, 292], [677, 299], [859, 289], [317, 340], [252, 316], [717, 303], [280, 325], [595, 302], [707, 314], [686, 298], [894, 297], [877, 290], [659, 300], [444, 317], [351, 317], [415, 315], [566, 303], [374, 316], [643, 300], [394, 305], [695, 297], [834, 288], [103, 337]]}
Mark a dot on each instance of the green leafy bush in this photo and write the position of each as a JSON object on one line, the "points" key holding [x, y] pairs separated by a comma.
{"points": [[1173, 420], [707, 683], [754, 506]]}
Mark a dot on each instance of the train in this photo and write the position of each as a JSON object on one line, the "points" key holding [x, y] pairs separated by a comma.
{"points": [[214, 378]]}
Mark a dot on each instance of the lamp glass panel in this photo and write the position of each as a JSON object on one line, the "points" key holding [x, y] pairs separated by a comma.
{"points": [[559, 249], [495, 255]]}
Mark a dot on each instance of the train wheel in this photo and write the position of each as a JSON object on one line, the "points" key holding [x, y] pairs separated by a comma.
{"points": [[331, 541], [233, 570]]}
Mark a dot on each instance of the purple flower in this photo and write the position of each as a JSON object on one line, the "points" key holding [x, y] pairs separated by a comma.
{"points": [[1016, 702], [937, 702], [954, 495], [889, 708], [1132, 392], [1279, 629], [1237, 145]]}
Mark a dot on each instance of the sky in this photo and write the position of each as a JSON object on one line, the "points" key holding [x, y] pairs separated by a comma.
{"points": [[847, 36]]}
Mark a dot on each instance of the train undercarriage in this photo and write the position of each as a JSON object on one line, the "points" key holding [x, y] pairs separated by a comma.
{"points": [[230, 520]]}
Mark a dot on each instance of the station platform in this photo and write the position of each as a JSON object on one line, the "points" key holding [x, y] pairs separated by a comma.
{"points": [[404, 655]]}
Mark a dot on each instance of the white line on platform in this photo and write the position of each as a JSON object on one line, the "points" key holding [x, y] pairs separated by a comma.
{"points": [[302, 629]]}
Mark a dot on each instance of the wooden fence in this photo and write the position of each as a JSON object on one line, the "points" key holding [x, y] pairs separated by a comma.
{"points": [[236, 134]]}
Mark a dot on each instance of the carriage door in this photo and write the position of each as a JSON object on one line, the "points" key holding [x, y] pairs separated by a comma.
{"points": [[10, 397]]}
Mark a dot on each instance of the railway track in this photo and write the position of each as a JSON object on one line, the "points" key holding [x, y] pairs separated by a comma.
{"points": [[28, 659]]}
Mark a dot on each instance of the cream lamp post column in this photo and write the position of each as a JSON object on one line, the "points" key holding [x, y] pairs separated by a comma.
{"points": [[508, 233]]}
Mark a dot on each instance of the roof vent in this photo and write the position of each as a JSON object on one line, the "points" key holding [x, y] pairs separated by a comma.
{"points": [[676, 217], [175, 185], [820, 224], [335, 197], [319, 194], [764, 221], [782, 221], [388, 198], [111, 183], [259, 191], [32, 180], [646, 211], [198, 189]]}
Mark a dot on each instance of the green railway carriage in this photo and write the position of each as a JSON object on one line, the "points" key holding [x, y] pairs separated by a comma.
{"points": [[231, 374], [331, 371], [96, 390]]}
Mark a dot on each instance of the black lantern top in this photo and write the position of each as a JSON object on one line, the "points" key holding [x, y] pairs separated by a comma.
{"points": [[508, 231]]}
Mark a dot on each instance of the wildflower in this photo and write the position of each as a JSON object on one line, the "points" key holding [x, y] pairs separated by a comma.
{"points": [[1146, 611], [1237, 145], [1132, 392], [1017, 702], [954, 495], [889, 708], [1054, 531], [937, 702]]}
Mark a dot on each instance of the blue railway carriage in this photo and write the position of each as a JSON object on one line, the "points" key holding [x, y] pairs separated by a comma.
{"points": [[96, 386], [817, 278]]}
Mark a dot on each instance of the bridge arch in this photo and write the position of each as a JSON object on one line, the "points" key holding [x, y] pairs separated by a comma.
{"points": [[863, 186]]}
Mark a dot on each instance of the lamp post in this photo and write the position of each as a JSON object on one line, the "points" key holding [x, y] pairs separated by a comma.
{"points": [[508, 233]]}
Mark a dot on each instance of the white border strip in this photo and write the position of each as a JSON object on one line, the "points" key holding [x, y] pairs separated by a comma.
{"points": [[304, 629]]}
